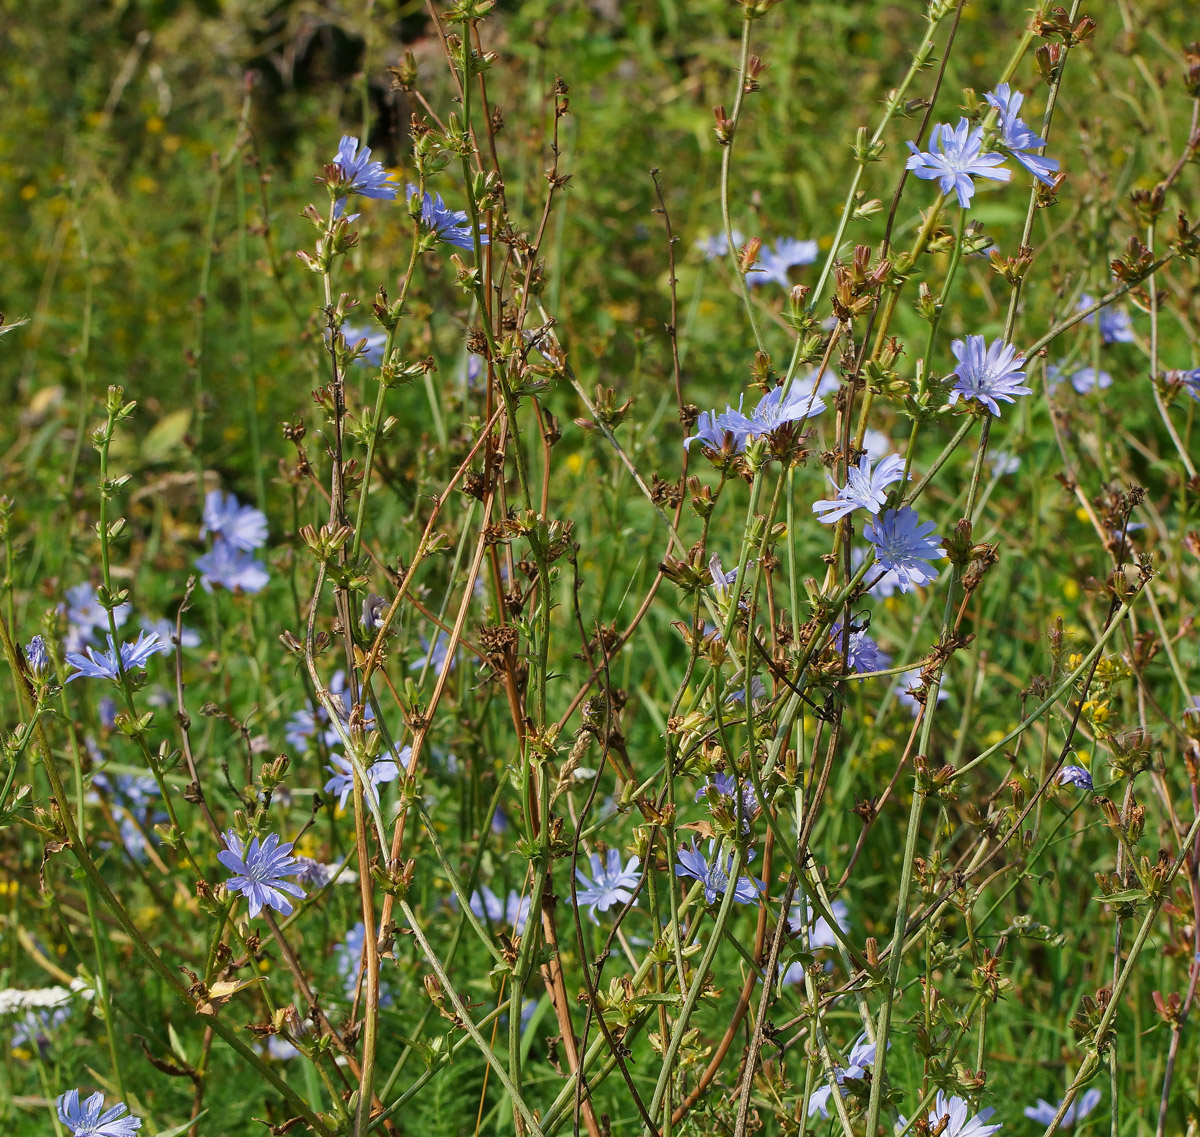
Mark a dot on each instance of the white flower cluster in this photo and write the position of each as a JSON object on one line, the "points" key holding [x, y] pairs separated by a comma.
{"points": [[14, 1000]]}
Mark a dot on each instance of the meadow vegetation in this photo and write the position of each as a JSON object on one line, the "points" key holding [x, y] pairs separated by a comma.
{"points": [[600, 567]]}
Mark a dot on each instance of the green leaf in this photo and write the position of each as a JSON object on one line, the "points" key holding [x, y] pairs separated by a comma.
{"points": [[176, 1130], [164, 437], [1125, 896]]}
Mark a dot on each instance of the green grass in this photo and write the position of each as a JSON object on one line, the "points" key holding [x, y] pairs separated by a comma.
{"points": [[152, 203]]}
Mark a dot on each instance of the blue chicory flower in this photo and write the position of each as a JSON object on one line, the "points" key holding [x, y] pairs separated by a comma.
{"points": [[1003, 462], [722, 581], [134, 801], [820, 934], [433, 654], [93, 664], [904, 695], [610, 884], [862, 652], [1087, 379], [514, 911], [259, 871], [864, 489], [1115, 325], [379, 773], [987, 373], [876, 443], [714, 874], [949, 1117], [954, 157], [860, 1059], [1189, 380], [1074, 776], [903, 545], [85, 615], [86, 1119], [373, 348], [242, 526], [234, 569], [1016, 136], [1044, 1113], [774, 261], [165, 630], [713, 429], [774, 411], [37, 660], [357, 174], [746, 803], [717, 246], [451, 225]]}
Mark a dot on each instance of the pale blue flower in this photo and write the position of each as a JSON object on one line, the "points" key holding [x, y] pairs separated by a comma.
{"points": [[1016, 136], [862, 652], [987, 373], [1044, 1113], [713, 430], [242, 526], [1003, 462], [259, 872], [107, 710], [864, 489], [722, 581], [474, 371], [372, 351], [736, 691], [953, 1111], [348, 957], [434, 654], [1074, 776], [85, 615], [86, 1119], [1087, 379], [610, 884], [882, 584], [93, 664], [774, 261], [830, 382], [876, 443], [451, 225], [717, 246], [1190, 381], [904, 695], [1115, 325], [358, 174], [372, 613], [773, 411], [820, 934], [903, 545], [36, 658], [860, 1059], [37, 1028], [954, 157], [165, 630], [714, 874], [132, 798], [231, 568], [514, 911], [745, 804], [317, 874], [280, 1049], [301, 727], [379, 773]]}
